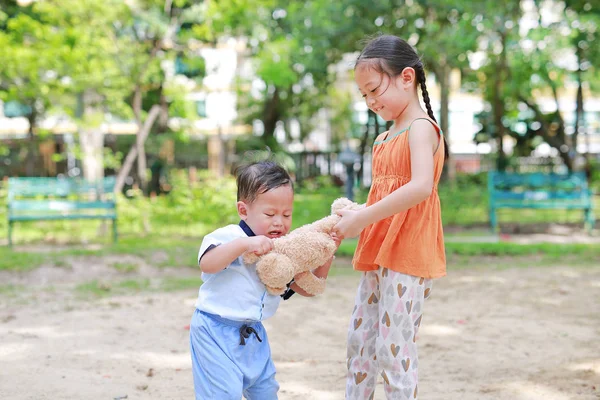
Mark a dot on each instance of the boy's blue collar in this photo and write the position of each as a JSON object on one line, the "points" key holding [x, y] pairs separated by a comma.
{"points": [[247, 230]]}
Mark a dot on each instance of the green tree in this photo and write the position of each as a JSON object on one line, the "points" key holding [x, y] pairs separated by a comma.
{"points": [[28, 75], [499, 38], [291, 45], [85, 53], [555, 54], [526, 63], [156, 31], [446, 35]]}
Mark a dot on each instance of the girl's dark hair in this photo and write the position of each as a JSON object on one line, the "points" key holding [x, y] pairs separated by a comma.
{"points": [[259, 177], [389, 55]]}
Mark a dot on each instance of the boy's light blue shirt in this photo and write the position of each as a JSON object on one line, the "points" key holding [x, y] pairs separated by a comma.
{"points": [[235, 293]]}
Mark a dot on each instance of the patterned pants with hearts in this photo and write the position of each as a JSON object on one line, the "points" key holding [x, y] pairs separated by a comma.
{"points": [[383, 333]]}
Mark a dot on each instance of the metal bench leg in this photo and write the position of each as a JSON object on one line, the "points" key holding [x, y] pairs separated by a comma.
{"points": [[115, 233], [493, 220], [589, 220]]}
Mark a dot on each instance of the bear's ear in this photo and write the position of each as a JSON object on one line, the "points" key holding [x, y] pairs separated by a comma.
{"points": [[340, 204], [242, 209]]}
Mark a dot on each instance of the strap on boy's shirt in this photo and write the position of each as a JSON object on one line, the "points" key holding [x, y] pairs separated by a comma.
{"points": [[289, 292]]}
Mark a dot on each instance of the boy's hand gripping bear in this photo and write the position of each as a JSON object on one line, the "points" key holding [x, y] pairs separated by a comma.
{"points": [[298, 253]]}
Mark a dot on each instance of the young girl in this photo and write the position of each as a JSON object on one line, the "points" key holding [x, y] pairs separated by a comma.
{"points": [[401, 244]]}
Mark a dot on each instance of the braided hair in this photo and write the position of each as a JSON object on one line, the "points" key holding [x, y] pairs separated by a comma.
{"points": [[389, 55]]}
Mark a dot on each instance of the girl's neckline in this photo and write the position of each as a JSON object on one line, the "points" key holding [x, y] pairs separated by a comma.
{"points": [[390, 137]]}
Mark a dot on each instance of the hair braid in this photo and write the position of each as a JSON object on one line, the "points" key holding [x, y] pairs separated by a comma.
{"points": [[420, 72], [421, 79]]}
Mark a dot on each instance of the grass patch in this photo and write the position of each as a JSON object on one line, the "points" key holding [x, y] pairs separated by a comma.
{"points": [[97, 288], [100, 288], [61, 263], [132, 285], [182, 252], [157, 250], [507, 253], [10, 290], [94, 288], [547, 250], [347, 248], [20, 261], [125, 267], [171, 284]]}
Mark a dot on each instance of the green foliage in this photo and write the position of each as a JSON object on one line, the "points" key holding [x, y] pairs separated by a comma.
{"points": [[255, 154], [342, 119], [274, 63], [595, 175], [179, 220], [192, 209], [468, 193]]}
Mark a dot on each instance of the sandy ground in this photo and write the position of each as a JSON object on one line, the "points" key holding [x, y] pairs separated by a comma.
{"points": [[519, 334]]}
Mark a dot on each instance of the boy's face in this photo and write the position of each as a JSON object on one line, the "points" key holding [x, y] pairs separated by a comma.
{"points": [[270, 214]]}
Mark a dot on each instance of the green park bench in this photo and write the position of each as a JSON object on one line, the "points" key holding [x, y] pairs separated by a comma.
{"points": [[51, 199], [539, 191]]}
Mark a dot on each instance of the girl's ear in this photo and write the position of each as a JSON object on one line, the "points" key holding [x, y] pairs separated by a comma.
{"points": [[242, 209], [408, 77]]}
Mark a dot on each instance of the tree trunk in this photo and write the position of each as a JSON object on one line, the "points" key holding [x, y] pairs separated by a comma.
{"points": [[31, 148], [141, 153], [444, 80], [557, 138], [133, 152], [217, 153], [163, 120], [371, 118], [579, 111], [91, 137], [567, 159], [498, 105], [271, 115], [91, 141]]}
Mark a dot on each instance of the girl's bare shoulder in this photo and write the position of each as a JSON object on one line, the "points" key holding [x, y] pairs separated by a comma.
{"points": [[382, 136]]}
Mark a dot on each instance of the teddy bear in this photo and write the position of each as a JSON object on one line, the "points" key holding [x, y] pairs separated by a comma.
{"points": [[296, 254]]}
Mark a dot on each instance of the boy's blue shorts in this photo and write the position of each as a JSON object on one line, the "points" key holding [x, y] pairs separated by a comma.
{"points": [[223, 368]]}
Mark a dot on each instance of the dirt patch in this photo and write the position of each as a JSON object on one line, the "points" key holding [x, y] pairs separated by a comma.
{"points": [[521, 334]]}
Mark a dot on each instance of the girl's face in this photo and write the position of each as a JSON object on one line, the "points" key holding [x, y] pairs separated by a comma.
{"points": [[270, 214], [386, 96]]}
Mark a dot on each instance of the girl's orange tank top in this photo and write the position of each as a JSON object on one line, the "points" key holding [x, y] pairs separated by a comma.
{"points": [[412, 241]]}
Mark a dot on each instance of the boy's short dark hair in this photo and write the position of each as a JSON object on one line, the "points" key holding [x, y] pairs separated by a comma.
{"points": [[258, 178]]}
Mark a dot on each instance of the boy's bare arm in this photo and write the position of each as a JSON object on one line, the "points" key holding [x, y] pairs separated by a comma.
{"points": [[320, 272], [221, 256]]}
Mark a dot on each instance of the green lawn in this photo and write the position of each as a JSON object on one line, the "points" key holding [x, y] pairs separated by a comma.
{"points": [[165, 252], [195, 211], [177, 223]]}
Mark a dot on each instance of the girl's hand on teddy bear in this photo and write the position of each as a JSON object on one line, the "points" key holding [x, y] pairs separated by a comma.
{"points": [[350, 225], [259, 245]]}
